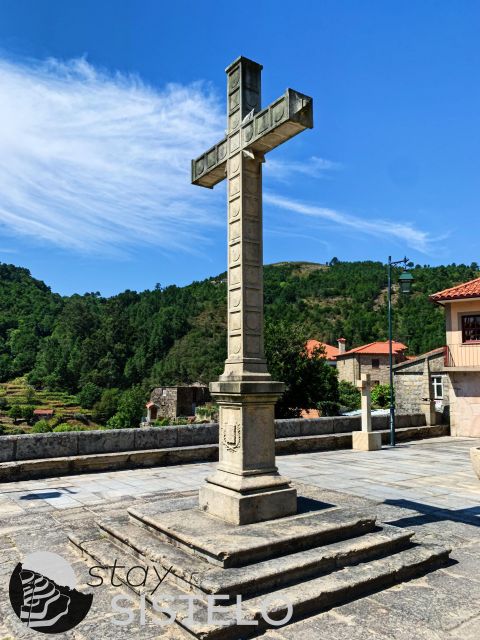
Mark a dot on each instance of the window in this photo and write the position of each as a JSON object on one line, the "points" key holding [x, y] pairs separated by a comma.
{"points": [[375, 363], [471, 328], [437, 383]]}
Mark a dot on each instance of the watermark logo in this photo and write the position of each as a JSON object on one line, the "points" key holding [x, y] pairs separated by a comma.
{"points": [[43, 594]]}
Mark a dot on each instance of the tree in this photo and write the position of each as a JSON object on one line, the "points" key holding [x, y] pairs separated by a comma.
{"points": [[107, 406], [27, 413], [130, 410], [89, 395], [349, 395], [15, 413], [308, 379]]}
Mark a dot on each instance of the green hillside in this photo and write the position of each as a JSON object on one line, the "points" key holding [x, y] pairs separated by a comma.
{"points": [[177, 334]]}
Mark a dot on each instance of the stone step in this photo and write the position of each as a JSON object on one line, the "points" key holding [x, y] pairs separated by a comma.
{"points": [[192, 572], [309, 597], [227, 545]]}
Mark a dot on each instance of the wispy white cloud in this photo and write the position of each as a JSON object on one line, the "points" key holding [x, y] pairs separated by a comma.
{"points": [[99, 162], [313, 167], [93, 161], [405, 232]]}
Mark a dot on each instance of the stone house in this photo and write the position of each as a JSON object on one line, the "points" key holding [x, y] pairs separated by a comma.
{"points": [[370, 358], [422, 386], [172, 402], [462, 355]]}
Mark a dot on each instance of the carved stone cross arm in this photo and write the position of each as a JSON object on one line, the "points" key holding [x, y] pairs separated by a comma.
{"points": [[291, 114], [364, 383]]}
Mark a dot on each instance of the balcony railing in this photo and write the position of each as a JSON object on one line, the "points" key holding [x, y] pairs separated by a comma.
{"points": [[462, 356]]}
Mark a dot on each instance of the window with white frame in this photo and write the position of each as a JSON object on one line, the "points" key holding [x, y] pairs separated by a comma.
{"points": [[437, 383]]}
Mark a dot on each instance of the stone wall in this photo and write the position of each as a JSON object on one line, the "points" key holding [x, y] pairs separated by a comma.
{"points": [[352, 367], [348, 369], [409, 383], [465, 404], [179, 401], [80, 443], [380, 374]]}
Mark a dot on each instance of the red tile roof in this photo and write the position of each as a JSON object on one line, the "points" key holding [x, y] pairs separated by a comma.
{"points": [[376, 349], [330, 352], [43, 412], [469, 289]]}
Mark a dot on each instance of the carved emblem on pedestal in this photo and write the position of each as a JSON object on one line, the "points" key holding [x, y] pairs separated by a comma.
{"points": [[231, 434]]}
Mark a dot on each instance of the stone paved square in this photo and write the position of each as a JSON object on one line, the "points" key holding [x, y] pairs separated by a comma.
{"points": [[428, 486]]}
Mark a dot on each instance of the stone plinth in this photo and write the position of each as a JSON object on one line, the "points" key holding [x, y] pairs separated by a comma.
{"points": [[366, 440], [246, 486]]}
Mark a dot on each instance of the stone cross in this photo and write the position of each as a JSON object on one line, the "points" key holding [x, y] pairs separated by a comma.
{"points": [[364, 385], [247, 486], [366, 439]]}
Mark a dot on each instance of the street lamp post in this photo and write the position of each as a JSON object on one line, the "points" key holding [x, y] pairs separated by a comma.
{"points": [[405, 280]]}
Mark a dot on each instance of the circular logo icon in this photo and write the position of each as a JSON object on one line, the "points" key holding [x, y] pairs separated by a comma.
{"points": [[43, 595]]}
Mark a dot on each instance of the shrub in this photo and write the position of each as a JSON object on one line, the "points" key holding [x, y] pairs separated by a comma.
{"points": [[2, 429], [162, 422], [381, 395], [65, 426], [350, 396], [4, 403], [42, 426], [16, 431], [116, 422], [329, 408], [81, 417]]}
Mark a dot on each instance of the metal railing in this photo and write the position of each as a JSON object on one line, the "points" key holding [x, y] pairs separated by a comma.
{"points": [[462, 355]]}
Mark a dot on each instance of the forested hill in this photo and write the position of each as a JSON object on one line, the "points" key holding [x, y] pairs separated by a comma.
{"points": [[177, 334]]}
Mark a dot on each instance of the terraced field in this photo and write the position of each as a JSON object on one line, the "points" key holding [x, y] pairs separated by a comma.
{"points": [[19, 393]]}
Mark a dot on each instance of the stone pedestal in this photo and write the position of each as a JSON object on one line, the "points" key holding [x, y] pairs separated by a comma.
{"points": [[246, 486], [366, 440]]}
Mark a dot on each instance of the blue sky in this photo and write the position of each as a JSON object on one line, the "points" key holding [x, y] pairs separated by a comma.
{"points": [[105, 102]]}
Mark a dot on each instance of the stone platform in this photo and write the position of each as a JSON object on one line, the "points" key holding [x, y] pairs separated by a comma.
{"points": [[323, 557]]}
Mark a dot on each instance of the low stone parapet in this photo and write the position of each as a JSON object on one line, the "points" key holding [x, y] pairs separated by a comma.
{"points": [[26, 469], [80, 443]]}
